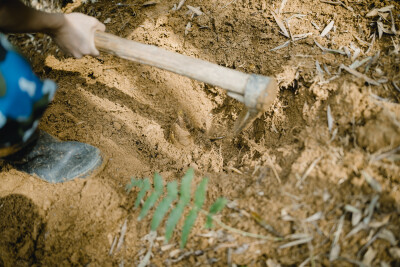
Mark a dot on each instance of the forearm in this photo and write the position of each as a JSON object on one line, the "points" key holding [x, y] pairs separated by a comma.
{"points": [[16, 17]]}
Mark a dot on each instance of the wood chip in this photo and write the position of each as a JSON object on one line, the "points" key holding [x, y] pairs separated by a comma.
{"points": [[188, 27], [280, 24], [174, 253], [359, 75], [195, 10], [167, 247], [327, 29]]}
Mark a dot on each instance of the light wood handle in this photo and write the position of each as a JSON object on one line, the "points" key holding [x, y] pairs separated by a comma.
{"points": [[228, 79]]}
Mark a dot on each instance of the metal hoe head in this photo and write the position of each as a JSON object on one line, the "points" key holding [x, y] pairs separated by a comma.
{"points": [[259, 94]]}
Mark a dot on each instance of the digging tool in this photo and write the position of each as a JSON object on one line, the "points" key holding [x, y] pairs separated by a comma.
{"points": [[257, 92]]}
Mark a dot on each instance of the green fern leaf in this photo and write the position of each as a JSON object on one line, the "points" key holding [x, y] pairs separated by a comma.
{"points": [[176, 213], [144, 187], [152, 199], [186, 185], [163, 207], [199, 198], [218, 205], [200, 194], [187, 226], [173, 219], [134, 182]]}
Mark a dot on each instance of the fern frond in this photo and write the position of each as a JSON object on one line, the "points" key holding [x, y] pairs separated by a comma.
{"points": [[144, 186], [218, 205], [152, 199], [199, 198], [177, 212], [163, 207], [167, 202], [134, 182], [187, 226], [200, 194], [173, 219], [186, 185]]}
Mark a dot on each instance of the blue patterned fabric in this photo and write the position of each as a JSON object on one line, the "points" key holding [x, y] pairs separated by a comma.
{"points": [[23, 96]]}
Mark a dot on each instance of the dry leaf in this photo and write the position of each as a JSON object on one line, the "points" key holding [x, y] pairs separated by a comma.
{"points": [[149, 3], [180, 4], [374, 12], [280, 46], [369, 256], [334, 253], [388, 236], [195, 10], [378, 224], [296, 243], [327, 29], [188, 27], [372, 182], [359, 75], [280, 24]]}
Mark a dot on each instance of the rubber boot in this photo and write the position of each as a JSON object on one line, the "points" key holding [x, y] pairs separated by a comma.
{"points": [[55, 161]]}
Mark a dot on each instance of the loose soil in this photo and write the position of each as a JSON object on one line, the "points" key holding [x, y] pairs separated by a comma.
{"points": [[291, 174]]}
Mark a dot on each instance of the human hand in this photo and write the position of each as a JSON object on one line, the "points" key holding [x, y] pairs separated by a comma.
{"points": [[76, 34]]}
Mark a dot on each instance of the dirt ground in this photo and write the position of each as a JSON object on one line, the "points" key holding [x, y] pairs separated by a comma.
{"points": [[321, 168]]}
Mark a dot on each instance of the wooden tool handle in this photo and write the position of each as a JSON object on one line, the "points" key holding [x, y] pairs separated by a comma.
{"points": [[229, 79]]}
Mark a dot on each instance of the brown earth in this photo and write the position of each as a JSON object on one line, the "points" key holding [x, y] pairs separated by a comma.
{"points": [[285, 168]]}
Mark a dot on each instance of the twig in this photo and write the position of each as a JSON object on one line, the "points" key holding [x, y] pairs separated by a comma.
{"points": [[274, 169], [240, 232], [146, 259], [359, 75], [123, 232]]}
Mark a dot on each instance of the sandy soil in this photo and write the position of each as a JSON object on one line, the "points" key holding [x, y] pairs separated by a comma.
{"points": [[328, 179]]}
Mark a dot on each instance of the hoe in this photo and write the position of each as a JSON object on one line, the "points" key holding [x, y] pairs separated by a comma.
{"points": [[257, 92]]}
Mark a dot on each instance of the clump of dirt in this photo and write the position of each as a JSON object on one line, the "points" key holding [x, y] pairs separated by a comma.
{"points": [[317, 175]]}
